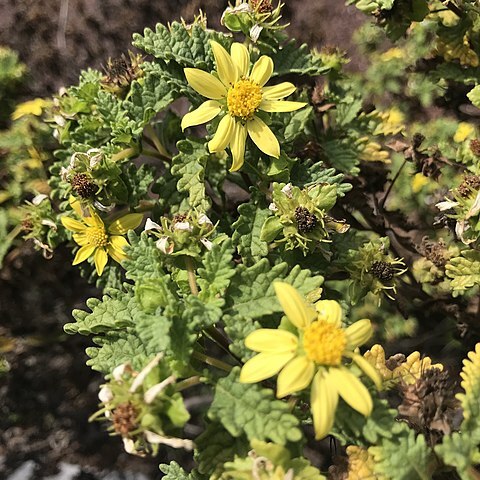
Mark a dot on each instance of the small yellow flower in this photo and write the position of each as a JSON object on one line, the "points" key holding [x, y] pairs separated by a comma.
{"points": [[32, 107], [96, 239], [361, 465], [465, 130], [239, 93], [314, 356]]}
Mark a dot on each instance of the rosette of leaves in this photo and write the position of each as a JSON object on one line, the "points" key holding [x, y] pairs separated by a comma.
{"points": [[300, 218]]}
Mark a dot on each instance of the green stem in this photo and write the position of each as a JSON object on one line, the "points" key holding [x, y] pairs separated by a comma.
{"points": [[214, 362], [127, 152], [192, 280], [453, 8], [187, 383], [13, 234], [156, 141], [153, 153]]}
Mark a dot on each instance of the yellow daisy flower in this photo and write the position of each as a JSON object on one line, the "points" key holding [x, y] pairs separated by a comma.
{"points": [[313, 356], [32, 107], [96, 239], [240, 94]]}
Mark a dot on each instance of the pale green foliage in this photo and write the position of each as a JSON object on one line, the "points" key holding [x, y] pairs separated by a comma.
{"points": [[464, 270], [252, 410]]}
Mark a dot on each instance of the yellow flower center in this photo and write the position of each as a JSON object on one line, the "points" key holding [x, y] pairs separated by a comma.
{"points": [[324, 343], [244, 98], [97, 236]]}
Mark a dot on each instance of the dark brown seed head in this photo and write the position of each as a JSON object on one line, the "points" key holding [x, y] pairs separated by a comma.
{"points": [[262, 6], [83, 186], [469, 184], [124, 418], [306, 221], [475, 147], [382, 270]]}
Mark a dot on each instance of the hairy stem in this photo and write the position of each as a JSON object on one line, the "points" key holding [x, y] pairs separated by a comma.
{"points": [[192, 281], [214, 362]]}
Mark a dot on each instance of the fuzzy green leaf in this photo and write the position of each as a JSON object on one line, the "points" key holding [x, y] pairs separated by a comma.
{"points": [[292, 58], [252, 292], [214, 277], [246, 236], [189, 48], [143, 260], [190, 165], [115, 311], [116, 348], [252, 410], [341, 155], [464, 270]]}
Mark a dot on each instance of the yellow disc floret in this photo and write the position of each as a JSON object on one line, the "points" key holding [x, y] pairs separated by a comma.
{"points": [[244, 98], [324, 343], [97, 236]]}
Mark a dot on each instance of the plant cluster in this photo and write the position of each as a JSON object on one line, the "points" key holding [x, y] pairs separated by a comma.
{"points": [[255, 215]]}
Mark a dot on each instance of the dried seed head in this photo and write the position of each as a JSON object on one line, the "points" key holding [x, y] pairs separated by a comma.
{"points": [[384, 271], [475, 147], [306, 221], [434, 251], [83, 186], [417, 140], [121, 72], [262, 6], [470, 183], [124, 418], [429, 404]]}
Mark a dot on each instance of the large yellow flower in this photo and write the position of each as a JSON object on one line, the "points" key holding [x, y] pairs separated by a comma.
{"points": [[239, 94], [96, 239], [314, 356]]}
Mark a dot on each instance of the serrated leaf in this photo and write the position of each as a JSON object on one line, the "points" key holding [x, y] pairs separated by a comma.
{"points": [[252, 293], [304, 175], [116, 348], [190, 165], [252, 410], [215, 446], [189, 48], [115, 311], [341, 155], [464, 270], [474, 96], [237, 330], [214, 277], [292, 58], [246, 235], [154, 332], [143, 258], [405, 458]]}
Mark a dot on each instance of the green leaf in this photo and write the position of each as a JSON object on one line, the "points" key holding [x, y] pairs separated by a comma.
{"points": [[173, 471], [215, 446], [116, 348], [138, 181], [143, 260], [474, 96], [190, 165], [215, 275], [404, 458], [341, 155], [114, 311], [252, 293], [464, 270], [308, 173], [252, 410], [237, 330], [189, 48], [246, 236], [154, 332], [292, 58]]}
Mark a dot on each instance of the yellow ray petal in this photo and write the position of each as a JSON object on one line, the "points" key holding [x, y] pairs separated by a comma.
{"points": [[80, 238], [358, 333], [271, 340], [72, 225], [83, 253], [118, 242], [329, 311], [100, 259], [264, 365], [294, 306], [205, 84], [263, 137], [352, 390], [276, 92], [367, 368], [237, 146], [223, 135], [323, 401], [295, 376], [123, 224], [76, 205], [94, 219], [226, 69], [280, 106], [241, 58], [262, 70], [203, 114], [116, 254]]}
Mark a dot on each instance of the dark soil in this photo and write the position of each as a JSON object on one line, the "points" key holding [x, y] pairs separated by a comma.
{"points": [[49, 393]]}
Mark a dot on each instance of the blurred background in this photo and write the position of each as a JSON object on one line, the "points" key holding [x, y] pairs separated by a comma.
{"points": [[46, 391]]}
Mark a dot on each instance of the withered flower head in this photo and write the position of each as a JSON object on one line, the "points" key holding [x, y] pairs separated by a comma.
{"points": [[121, 72], [429, 404]]}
